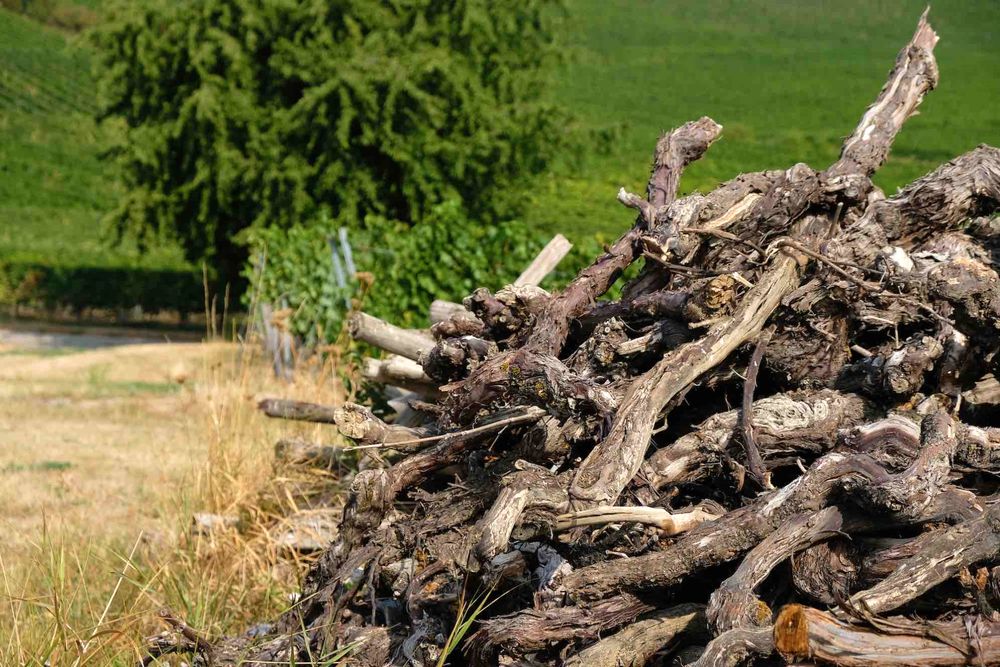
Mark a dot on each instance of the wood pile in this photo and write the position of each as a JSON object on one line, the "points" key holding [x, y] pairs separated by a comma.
{"points": [[773, 447]]}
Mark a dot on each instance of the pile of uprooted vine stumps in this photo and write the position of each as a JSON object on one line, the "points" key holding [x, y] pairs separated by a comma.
{"points": [[772, 447]]}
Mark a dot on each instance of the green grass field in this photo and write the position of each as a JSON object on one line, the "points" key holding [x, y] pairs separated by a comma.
{"points": [[787, 80], [54, 188]]}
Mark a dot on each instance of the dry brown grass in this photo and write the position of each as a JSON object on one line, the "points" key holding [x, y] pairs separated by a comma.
{"points": [[100, 546]]}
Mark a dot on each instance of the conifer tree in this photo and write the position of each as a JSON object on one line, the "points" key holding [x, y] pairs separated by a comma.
{"points": [[235, 113]]}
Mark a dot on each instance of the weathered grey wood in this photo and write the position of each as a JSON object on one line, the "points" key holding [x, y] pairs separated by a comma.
{"points": [[963, 188], [441, 310], [307, 531], [985, 392], [281, 408], [941, 556], [543, 264], [375, 490], [637, 643], [914, 73], [734, 605], [408, 343], [612, 464], [669, 523], [533, 482], [907, 496], [674, 151], [536, 629], [360, 424], [803, 424], [398, 371], [733, 647]]}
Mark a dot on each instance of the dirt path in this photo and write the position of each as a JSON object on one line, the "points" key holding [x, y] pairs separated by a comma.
{"points": [[94, 440]]}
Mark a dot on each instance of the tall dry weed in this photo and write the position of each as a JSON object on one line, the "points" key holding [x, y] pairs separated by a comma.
{"points": [[79, 599]]}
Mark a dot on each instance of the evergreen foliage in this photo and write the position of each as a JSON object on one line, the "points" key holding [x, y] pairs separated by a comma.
{"points": [[240, 113]]}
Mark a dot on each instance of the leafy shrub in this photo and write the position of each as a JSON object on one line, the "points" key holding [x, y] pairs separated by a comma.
{"points": [[239, 113], [445, 257]]}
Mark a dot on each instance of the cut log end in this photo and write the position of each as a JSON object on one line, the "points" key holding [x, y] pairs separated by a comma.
{"points": [[791, 635]]}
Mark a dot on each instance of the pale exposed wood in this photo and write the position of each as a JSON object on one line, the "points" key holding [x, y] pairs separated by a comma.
{"points": [[670, 523], [734, 604], [537, 628], [963, 188], [531, 486], [941, 555], [398, 371], [441, 310], [755, 465], [613, 463], [545, 262], [913, 75], [786, 424], [307, 531], [908, 496], [733, 647], [675, 150], [408, 343], [985, 392], [375, 490]]}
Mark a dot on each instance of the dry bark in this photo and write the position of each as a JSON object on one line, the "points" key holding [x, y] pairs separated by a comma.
{"points": [[580, 462], [674, 151], [905, 497], [544, 263], [938, 557], [359, 424]]}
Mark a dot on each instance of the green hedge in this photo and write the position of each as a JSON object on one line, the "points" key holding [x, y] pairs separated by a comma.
{"points": [[30, 283]]}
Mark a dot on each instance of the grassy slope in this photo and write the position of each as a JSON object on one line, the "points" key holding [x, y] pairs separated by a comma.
{"points": [[786, 79], [54, 190]]}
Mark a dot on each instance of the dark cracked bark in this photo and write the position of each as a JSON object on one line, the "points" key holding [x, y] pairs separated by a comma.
{"points": [[580, 464], [674, 151]]}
